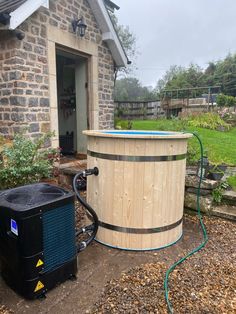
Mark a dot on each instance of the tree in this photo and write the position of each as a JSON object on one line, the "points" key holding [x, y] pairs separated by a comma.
{"points": [[210, 74], [130, 88], [169, 79], [225, 75], [221, 73], [128, 41], [178, 77]]}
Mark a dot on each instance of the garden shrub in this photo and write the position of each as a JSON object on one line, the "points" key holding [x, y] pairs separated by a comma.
{"points": [[217, 193], [221, 100], [228, 115], [208, 120], [193, 151], [123, 124], [230, 101], [26, 161], [225, 100]]}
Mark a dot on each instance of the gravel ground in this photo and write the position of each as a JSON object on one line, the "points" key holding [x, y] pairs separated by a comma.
{"points": [[205, 283], [5, 310]]}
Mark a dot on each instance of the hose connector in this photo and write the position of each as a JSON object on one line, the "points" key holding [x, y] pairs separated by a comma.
{"points": [[82, 246], [89, 172]]}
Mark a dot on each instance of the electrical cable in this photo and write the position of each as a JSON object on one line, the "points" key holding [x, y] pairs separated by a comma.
{"points": [[91, 229], [205, 236]]}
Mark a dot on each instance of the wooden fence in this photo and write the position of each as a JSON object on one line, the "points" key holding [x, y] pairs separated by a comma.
{"points": [[139, 110]]}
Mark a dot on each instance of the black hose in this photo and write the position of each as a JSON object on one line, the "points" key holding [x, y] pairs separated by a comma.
{"points": [[93, 228], [86, 229]]}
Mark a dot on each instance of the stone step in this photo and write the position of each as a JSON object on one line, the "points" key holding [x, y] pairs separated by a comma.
{"points": [[69, 170], [230, 196], [206, 203], [73, 167], [225, 211], [193, 182]]}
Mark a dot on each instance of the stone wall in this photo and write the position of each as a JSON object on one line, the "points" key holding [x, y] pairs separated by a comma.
{"points": [[24, 83], [106, 87], [226, 208], [24, 71]]}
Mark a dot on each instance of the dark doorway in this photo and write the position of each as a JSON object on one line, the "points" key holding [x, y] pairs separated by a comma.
{"points": [[72, 102]]}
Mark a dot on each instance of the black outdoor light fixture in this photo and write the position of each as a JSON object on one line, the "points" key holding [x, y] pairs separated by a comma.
{"points": [[81, 26]]}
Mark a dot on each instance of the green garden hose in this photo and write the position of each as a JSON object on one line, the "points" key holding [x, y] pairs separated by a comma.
{"points": [[205, 237]]}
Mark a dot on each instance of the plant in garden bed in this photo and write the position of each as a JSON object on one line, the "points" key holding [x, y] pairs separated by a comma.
{"points": [[226, 101], [193, 152], [208, 120], [228, 115], [27, 161], [216, 172], [123, 124], [217, 193]]}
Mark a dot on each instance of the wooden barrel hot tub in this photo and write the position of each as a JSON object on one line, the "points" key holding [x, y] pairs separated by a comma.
{"points": [[139, 192]]}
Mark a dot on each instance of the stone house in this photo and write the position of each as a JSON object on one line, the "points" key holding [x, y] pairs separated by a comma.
{"points": [[52, 78]]}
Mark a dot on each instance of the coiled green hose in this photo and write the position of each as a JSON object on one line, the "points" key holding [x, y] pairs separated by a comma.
{"points": [[205, 237]]}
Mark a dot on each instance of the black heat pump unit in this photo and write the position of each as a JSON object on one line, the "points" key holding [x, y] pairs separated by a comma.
{"points": [[37, 238]]}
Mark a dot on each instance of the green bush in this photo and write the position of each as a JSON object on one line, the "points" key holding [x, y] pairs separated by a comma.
{"points": [[221, 100], [123, 124], [217, 193], [208, 120], [26, 161], [193, 151], [231, 101], [225, 100]]}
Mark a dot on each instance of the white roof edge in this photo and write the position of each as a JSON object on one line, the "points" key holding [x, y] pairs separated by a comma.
{"points": [[109, 34], [25, 10]]}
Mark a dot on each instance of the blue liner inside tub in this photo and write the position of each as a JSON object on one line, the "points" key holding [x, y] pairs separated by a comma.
{"points": [[139, 132]]}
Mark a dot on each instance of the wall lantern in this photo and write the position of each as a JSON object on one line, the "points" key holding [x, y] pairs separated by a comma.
{"points": [[81, 26]]}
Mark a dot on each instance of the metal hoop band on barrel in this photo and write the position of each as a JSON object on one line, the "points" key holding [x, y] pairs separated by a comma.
{"points": [[140, 230], [136, 158]]}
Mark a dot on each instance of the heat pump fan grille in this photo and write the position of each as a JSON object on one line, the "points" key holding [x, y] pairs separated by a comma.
{"points": [[34, 194], [58, 236]]}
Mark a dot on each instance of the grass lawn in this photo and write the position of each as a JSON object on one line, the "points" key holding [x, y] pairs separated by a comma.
{"points": [[232, 182], [220, 146]]}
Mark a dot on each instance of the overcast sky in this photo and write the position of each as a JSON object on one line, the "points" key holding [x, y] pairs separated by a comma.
{"points": [[178, 32]]}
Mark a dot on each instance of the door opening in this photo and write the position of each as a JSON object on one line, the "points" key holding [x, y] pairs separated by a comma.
{"points": [[72, 102]]}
